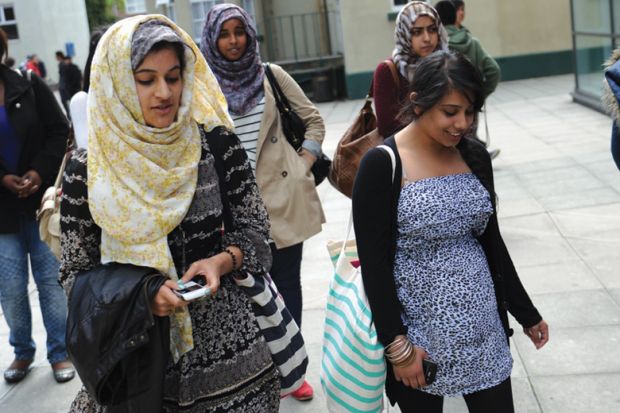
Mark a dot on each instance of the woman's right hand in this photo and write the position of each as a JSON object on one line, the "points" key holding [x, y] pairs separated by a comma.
{"points": [[412, 375], [13, 183], [165, 301]]}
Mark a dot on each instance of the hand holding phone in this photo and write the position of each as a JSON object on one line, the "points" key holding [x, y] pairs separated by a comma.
{"points": [[193, 290], [430, 371]]}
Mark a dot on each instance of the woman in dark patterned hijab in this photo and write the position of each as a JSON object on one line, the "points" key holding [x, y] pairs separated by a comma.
{"points": [[283, 174], [241, 80]]}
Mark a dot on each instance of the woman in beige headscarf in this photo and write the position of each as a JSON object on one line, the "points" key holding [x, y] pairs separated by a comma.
{"points": [[147, 193]]}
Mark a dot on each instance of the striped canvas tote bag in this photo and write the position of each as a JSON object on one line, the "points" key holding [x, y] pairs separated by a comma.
{"points": [[352, 365], [352, 369]]}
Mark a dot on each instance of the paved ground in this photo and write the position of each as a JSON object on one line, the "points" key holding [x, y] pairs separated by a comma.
{"points": [[559, 197]]}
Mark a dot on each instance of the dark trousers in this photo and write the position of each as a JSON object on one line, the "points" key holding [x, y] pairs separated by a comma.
{"points": [[286, 274], [496, 399]]}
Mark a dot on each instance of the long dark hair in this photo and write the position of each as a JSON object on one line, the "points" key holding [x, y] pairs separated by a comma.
{"points": [[4, 45], [436, 76], [94, 41]]}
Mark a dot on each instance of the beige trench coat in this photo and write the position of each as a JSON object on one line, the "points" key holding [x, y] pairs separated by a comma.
{"points": [[283, 177]]}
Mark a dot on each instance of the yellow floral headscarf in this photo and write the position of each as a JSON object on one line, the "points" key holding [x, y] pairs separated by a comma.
{"points": [[141, 180]]}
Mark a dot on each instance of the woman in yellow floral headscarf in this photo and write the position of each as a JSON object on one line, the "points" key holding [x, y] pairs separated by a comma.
{"points": [[147, 193]]}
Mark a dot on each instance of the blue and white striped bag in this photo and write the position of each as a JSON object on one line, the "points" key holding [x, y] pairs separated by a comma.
{"points": [[281, 332], [352, 365]]}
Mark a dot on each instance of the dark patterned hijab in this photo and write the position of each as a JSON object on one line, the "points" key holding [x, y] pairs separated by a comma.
{"points": [[404, 58], [241, 80]]}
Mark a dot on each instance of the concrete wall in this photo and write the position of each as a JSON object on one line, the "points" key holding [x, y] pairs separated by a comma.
{"points": [[508, 28], [45, 26], [368, 35]]}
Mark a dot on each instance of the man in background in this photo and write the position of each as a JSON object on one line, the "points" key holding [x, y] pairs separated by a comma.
{"points": [[70, 79], [461, 40]]}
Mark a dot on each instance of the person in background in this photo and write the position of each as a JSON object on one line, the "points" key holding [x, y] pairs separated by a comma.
{"points": [[165, 212], [461, 40], [9, 62], [33, 137], [418, 33], [60, 58], [438, 276], [79, 102], [95, 37], [611, 101], [283, 175], [32, 63], [42, 68], [459, 5], [69, 80]]}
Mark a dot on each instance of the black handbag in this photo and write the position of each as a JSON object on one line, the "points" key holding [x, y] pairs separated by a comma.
{"points": [[294, 129]]}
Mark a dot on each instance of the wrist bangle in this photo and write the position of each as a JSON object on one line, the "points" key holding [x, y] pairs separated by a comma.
{"points": [[232, 257]]}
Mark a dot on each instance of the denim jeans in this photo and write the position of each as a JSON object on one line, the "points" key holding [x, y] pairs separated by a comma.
{"points": [[15, 249]]}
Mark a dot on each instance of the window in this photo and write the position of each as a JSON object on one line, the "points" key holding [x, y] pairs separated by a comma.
{"points": [[398, 4], [200, 8], [8, 22], [167, 7], [170, 12], [248, 5], [135, 6]]}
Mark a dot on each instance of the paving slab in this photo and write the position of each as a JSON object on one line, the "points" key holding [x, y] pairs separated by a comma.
{"points": [[569, 275], [601, 257], [566, 309], [582, 393], [572, 351]]}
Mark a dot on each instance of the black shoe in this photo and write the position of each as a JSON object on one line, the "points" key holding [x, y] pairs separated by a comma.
{"points": [[17, 371], [63, 371]]}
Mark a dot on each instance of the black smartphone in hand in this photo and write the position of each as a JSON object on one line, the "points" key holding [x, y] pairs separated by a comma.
{"points": [[430, 370]]}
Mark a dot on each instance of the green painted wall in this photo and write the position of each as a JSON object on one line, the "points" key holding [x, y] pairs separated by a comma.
{"points": [[536, 65]]}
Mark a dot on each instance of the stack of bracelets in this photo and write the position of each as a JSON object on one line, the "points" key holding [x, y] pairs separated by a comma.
{"points": [[400, 352]]}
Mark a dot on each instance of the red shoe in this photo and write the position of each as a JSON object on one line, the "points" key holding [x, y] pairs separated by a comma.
{"points": [[304, 393]]}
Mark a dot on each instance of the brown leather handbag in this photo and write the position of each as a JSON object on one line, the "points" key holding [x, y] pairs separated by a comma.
{"points": [[361, 136]]}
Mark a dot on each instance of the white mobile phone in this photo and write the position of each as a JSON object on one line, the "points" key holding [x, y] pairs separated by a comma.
{"points": [[193, 291]]}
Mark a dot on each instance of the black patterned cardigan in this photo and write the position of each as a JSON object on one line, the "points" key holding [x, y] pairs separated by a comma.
{"points": [[230, 368]]}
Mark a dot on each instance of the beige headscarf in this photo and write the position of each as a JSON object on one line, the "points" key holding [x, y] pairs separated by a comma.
{"points": [[141, 180]]}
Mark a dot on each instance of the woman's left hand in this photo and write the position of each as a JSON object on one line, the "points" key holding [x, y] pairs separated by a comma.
{"points": [[210, 268], [539, 334]]}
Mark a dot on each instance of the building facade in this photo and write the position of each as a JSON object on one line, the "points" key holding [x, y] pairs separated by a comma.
{"points": [[42, 27], [528, 38]]}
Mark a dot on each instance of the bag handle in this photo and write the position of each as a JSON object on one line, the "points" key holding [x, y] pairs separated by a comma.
{"points": [[281, 101], [390, 152], [487, 141], [395, 77], [61, 171]]}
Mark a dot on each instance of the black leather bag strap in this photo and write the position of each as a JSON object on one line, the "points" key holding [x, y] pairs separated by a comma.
{"points": [[281, 101]]}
